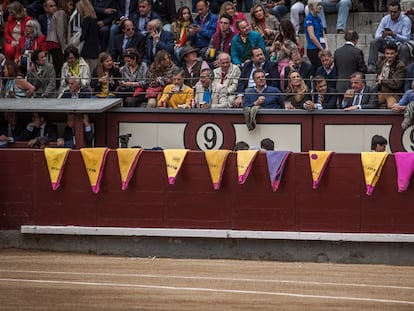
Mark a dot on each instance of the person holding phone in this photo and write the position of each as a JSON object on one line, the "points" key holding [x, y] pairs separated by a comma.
{"points": [[158, 39], [204, 26], [393, 28]]}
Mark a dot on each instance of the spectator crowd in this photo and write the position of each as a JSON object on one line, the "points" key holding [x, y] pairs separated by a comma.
{"points": [[209, 55]]}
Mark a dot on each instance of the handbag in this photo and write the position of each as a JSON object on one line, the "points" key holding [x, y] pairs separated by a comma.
{"points": [[153, 91], [138, 91], [75, 41]]}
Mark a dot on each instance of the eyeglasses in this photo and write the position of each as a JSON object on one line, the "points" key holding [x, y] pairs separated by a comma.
{"points": [[130, 29]]}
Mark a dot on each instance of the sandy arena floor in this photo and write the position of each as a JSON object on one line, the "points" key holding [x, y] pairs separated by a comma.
{"points": [[34, 280]]}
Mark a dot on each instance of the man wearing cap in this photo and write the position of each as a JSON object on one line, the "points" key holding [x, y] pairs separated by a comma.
{"points": [[128, 39], [192, 65]]}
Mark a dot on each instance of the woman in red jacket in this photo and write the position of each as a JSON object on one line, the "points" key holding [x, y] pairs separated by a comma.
{"points": [[33, 39], [14, 29]]}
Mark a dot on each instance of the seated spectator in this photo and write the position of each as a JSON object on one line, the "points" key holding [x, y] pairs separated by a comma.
{"points": [[16, 85], [228, 75], [328, 69], [230, 8], [323, 96], [50, 7], [284, 43], [393, 28], [105, 77], [129, 38], [348, 59], [342, 7], [390, 78], [177, 95], [210, 94], [204, 26], [179, 29], [75, 66], [32, 39], [192, 65], [242, 43], [361, 96], [378, 143], [11, 129], [160, 75], [296, 63], [315, 35], [75, 89], [68, 139], [265, 24], [14, 29], [220, 42], [261, 96], [405, 104], [126, 10], [39, 127], [297, 92], [167, 12], [134, 74], [42, 75], [157, 40], [105, 14], [246, 80], [267, 144], [144, 15], [241, 145]]}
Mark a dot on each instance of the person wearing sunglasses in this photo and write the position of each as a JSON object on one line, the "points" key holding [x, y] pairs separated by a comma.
{"points": [[129, 38]]}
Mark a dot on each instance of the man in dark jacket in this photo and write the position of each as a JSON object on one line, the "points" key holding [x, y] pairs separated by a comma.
{"points": [[258, 61]]}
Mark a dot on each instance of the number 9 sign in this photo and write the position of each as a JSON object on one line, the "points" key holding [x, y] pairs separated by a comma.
{"points": [[209, 136]]}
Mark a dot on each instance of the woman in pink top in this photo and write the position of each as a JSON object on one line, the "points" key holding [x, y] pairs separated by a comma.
{"points": [[230, 8]]}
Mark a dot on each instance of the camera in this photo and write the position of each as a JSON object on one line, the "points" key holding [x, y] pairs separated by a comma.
{"points": [[124, 140]]}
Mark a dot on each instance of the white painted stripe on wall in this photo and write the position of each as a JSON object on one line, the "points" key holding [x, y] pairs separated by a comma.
{"points": [[213, 233]]}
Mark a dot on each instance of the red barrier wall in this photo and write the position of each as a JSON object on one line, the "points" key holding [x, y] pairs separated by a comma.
{"points": [[338, 205]]}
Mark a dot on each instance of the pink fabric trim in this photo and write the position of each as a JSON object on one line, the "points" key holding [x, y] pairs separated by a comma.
{"points": [[96, 188], [131, 171]]}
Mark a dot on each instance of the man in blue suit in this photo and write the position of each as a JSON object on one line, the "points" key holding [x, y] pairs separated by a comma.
{"points": [[257, 61], [157, 39]]}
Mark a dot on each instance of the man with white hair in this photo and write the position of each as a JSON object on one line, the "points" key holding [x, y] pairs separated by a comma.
{"points": [[227, 74]]}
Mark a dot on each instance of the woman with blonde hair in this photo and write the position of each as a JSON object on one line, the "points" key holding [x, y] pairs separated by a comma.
{"points": [[230, 8], [90, 32], [14, 29], [265, 24], [105, 77], [297, 93]]}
